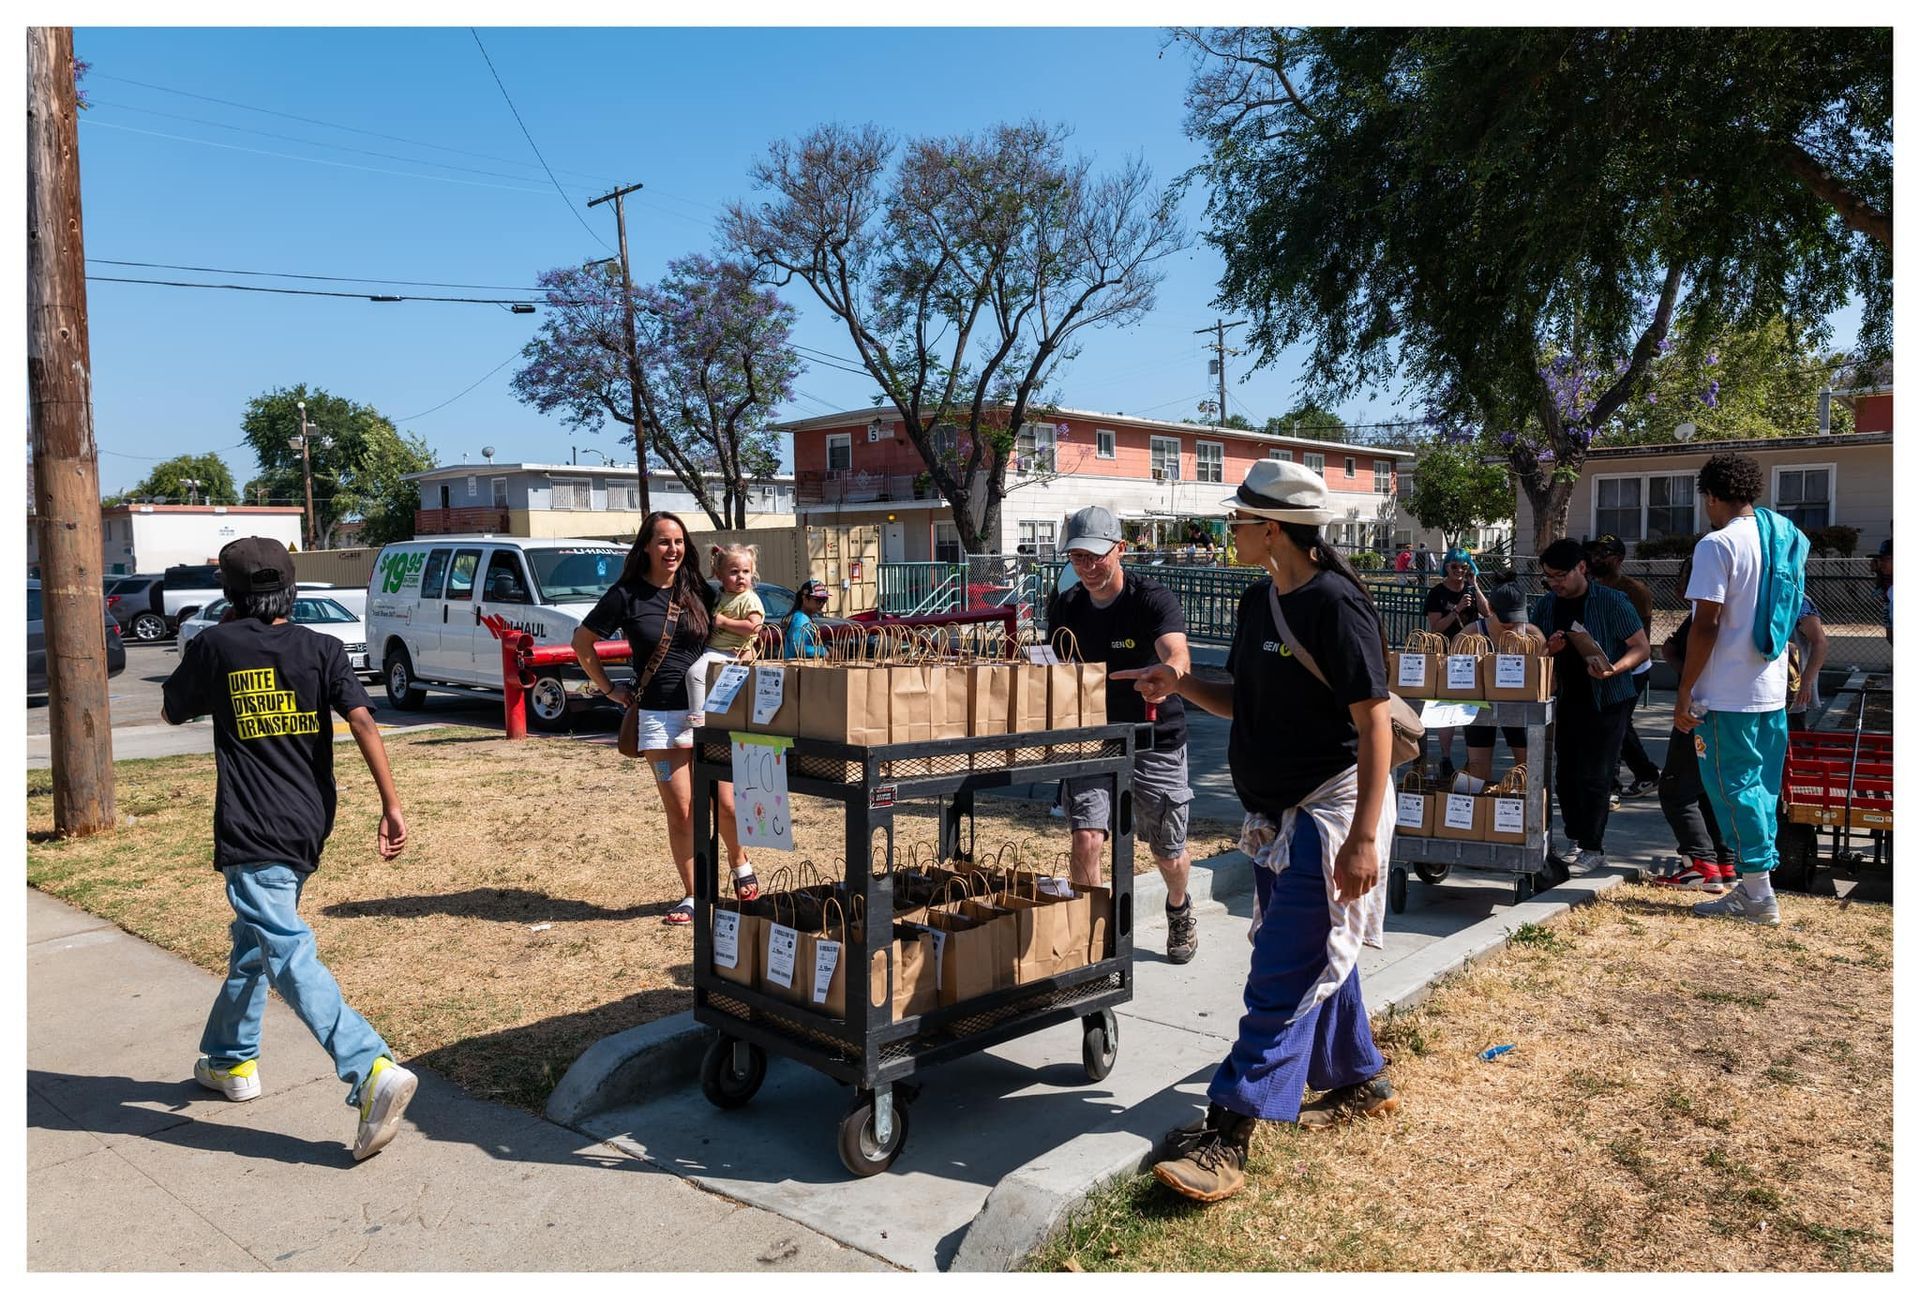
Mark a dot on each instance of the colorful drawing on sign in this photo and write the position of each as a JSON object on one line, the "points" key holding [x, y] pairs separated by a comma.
{"points": [[761, 810]]}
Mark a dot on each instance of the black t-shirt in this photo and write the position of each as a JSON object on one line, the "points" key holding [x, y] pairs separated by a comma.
{"points": [[1122, 636], [1441, 599], [639, 613], [1290, 733], [1569, 668], [268, 690]]}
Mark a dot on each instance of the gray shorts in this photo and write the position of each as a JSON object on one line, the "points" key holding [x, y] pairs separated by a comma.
{"points": [[1160, 801]]}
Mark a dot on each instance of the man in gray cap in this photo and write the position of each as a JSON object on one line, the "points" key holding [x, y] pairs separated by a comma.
{"points": [[1128, 621]]}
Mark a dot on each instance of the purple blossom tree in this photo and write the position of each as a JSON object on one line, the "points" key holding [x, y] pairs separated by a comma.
{"points": [[714, 365]]}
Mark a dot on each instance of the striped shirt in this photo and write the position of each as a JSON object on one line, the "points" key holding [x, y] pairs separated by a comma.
{"points": [[1611, 620]]}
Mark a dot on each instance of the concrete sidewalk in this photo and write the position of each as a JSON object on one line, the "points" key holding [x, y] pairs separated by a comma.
{"points": [[132, 1166]]}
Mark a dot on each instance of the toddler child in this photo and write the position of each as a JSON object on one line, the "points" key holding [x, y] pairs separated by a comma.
{"points": [[736, 621]]}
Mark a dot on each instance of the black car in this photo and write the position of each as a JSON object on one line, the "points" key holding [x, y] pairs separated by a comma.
{"points": [[134, 601], [37, 643]]}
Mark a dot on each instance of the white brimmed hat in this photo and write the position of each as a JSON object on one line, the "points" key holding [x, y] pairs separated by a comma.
{"points": [[1284, 492]]}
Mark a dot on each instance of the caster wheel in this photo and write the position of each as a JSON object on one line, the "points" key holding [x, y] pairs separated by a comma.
{"points": [[860, 1149], [1432, 872], [722, 1078], [1099, 1044], [1522, 889], [1799, 857], [1396, 890]]}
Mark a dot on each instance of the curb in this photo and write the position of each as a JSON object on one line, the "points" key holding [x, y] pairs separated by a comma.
{"points": [[645, 1063], [1032, 1201]]}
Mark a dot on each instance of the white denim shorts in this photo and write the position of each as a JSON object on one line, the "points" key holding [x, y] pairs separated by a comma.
{"points": [[664, 728]]}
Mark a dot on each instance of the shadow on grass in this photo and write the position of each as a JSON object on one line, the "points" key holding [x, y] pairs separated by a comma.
{"points": [[518, 905]]}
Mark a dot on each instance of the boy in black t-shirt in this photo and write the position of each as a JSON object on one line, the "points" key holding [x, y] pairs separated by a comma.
{"points": [[269, 684]]}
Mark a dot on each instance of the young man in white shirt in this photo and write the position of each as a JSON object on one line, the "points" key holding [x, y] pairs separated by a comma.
{"points": [[1732, 700]]}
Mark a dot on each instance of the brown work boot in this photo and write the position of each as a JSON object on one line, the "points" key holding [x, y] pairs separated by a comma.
{"points": [[1372, 1099], [1213, 1165]]}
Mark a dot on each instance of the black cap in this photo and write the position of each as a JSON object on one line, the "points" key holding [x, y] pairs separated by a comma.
{"points": [[254, 565], [1607, 544], [1509, 603]]}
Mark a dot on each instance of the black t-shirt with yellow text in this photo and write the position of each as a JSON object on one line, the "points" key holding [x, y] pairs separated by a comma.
{"points": [[268, 690]]}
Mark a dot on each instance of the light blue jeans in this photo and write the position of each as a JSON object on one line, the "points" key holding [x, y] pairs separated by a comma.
{"points": [[272, 945], [1741, 757]]}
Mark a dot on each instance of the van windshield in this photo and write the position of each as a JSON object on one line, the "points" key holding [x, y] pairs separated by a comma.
{"points": [[575, 576]]}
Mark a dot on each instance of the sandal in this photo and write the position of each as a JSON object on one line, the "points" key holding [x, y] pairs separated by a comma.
{"points": [[746, 887], [681, 914]]}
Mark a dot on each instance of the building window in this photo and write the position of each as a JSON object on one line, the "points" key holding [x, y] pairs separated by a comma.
{"points": [[624, 496], [1316, 462], [1353, 467], [1104, 444], [1616, 508], [1166, 459], [946, 544], [1804, 493], [1383, 477], [1280, 455], [499, 493], [1033, 449], [572, 494], [1670, 502], [1036, 537], [839, 452], [1209, 462], [473, 487]]}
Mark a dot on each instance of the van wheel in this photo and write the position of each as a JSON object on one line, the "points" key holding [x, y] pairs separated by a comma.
{"points": [[149, 627], [547, 705], [401, 692]]}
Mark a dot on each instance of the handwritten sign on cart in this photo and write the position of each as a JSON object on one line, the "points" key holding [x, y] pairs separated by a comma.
{"points": [[762, 811]]}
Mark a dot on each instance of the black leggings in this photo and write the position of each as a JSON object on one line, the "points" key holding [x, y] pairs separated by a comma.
{"points": [[1684, 800], [1586, 749]]}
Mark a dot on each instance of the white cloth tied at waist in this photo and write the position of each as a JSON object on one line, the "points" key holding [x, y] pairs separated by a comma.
{"points": [[1358, 923]]}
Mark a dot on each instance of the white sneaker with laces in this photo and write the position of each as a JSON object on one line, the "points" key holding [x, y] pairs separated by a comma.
{"points": [[382, 1101], [1590, 860], [240, 1083], [1737, 905]]}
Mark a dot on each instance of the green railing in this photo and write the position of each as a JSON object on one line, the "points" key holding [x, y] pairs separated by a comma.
{"points": [[919, 588]]}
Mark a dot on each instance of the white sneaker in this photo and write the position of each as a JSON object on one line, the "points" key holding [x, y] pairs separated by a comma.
{"points": [[240, 1083], [1589, 861], [1736, 905], [382, 1101]]}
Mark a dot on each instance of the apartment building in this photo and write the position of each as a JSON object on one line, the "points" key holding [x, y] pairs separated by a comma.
{"points": [[540, 500]]}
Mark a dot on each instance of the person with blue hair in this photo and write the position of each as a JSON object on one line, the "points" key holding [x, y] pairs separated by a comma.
{"points": [[1454, 605]]}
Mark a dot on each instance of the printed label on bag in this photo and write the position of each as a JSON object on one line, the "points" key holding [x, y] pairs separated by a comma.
{"points": [[939, 955], [769, 691], [1460, 811], [1413, 669], [1510, 815], [1411, 811], [726, 939], [826, 959], [725, 687], [783, 945], [1510, 671], [1462, 671]]}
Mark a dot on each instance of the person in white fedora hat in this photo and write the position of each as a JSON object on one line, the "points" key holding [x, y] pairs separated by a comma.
{"points": [[1310, 752]]}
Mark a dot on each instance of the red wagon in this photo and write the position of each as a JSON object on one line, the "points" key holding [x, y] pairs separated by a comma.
{"points": [[1839, 783]]}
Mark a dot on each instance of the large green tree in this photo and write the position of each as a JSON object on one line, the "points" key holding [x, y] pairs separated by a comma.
{"points": [[1745, 382], [186, 479], [357, 459], [1456, 489], [1501, 218]]}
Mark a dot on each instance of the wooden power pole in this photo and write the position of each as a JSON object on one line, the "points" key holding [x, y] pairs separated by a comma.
{"points": [[66, 472], [633, 346], [1219, 330]]}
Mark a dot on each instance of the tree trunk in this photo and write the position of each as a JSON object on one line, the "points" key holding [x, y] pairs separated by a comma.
{"points": [[1549, 512]]}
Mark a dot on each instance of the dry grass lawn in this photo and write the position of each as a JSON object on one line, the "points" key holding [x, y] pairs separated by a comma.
{"points": [[1682, 1095], [521, 925]]}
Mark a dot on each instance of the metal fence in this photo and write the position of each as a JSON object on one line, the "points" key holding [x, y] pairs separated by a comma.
{"points": [[976, 582]]}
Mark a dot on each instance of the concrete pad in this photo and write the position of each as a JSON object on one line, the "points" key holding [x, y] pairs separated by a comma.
{"points": [[753, 1239], [143, 1227], [49, 919]]}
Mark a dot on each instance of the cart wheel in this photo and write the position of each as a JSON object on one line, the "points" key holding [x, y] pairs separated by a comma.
{"points": [[1523, 886], [722, 1080], [1396, 890], [1432, 872], [1099, 1044], [1799, 856], [860, 1150]]}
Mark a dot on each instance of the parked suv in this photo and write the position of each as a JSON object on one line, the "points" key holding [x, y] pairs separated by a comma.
{"points": [[37, 643], [186, 589], [134, 602]]}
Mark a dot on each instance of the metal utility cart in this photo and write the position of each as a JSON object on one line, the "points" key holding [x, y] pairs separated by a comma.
{"points": [[1434, 859], [871, 1050]]}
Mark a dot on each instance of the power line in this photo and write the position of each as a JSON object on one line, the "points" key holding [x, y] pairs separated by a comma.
{"points": [[310, 293], [463, 392], [294, 275], [96, 74], [530, 144]]}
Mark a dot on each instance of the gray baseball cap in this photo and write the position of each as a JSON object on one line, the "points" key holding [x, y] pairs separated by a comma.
{"points": [[1093, 530]]}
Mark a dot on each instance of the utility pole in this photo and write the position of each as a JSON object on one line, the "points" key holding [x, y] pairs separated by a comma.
{"points": [[633, 345], [66, 469], [305, 443], [1219, 330]]}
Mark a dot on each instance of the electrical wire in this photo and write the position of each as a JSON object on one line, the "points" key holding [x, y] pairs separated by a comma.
{"points": [[294, 275], [308, 293], [463, 392], [530, 144]]}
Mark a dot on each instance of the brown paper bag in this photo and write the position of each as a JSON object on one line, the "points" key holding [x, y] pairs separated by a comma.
{"points": [[1413, 813], [1459, 816], [848, 703], [822, 964], [734, 716], [1460, 669], [1063, 695], [1507, 806], [1027, 698], [1416, 668], [910, 958], [786, 718], [973, 956], [950, 685], [987, 702], [738, 942], [1045, 943], [1093, 694], [779, 972]]}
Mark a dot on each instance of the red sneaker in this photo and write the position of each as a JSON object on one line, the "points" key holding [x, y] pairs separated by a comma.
{"points": [[1726, 877], [1695, 874]]}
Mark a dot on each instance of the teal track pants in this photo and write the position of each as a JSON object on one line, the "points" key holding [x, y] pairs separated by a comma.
{"points": [[1741, 757]]}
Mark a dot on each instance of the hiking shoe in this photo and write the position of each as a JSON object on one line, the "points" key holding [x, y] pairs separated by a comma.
{"points": [[1372, 1099], [383, 1100], [1640, 788], [681, 914], [1736, 905], [1182, 1141], [1214, 1167], [240, 1083], [1183, 934]]}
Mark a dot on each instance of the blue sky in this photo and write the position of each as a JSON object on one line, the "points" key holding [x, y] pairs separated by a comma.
{"points": [[169, 176]]}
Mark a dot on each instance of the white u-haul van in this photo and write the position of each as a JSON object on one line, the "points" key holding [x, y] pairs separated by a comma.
{"points": [[427, 597]]}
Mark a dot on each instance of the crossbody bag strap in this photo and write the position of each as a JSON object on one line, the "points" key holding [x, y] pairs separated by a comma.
{"points": [[659, 651], [1286, 634]]}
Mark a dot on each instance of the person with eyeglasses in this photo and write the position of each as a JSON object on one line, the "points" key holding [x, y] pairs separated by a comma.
{"points": [[1594, 696], [1127, 620]]}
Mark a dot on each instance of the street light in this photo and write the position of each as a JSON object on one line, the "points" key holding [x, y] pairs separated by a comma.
{"points": [[192, 485]]}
